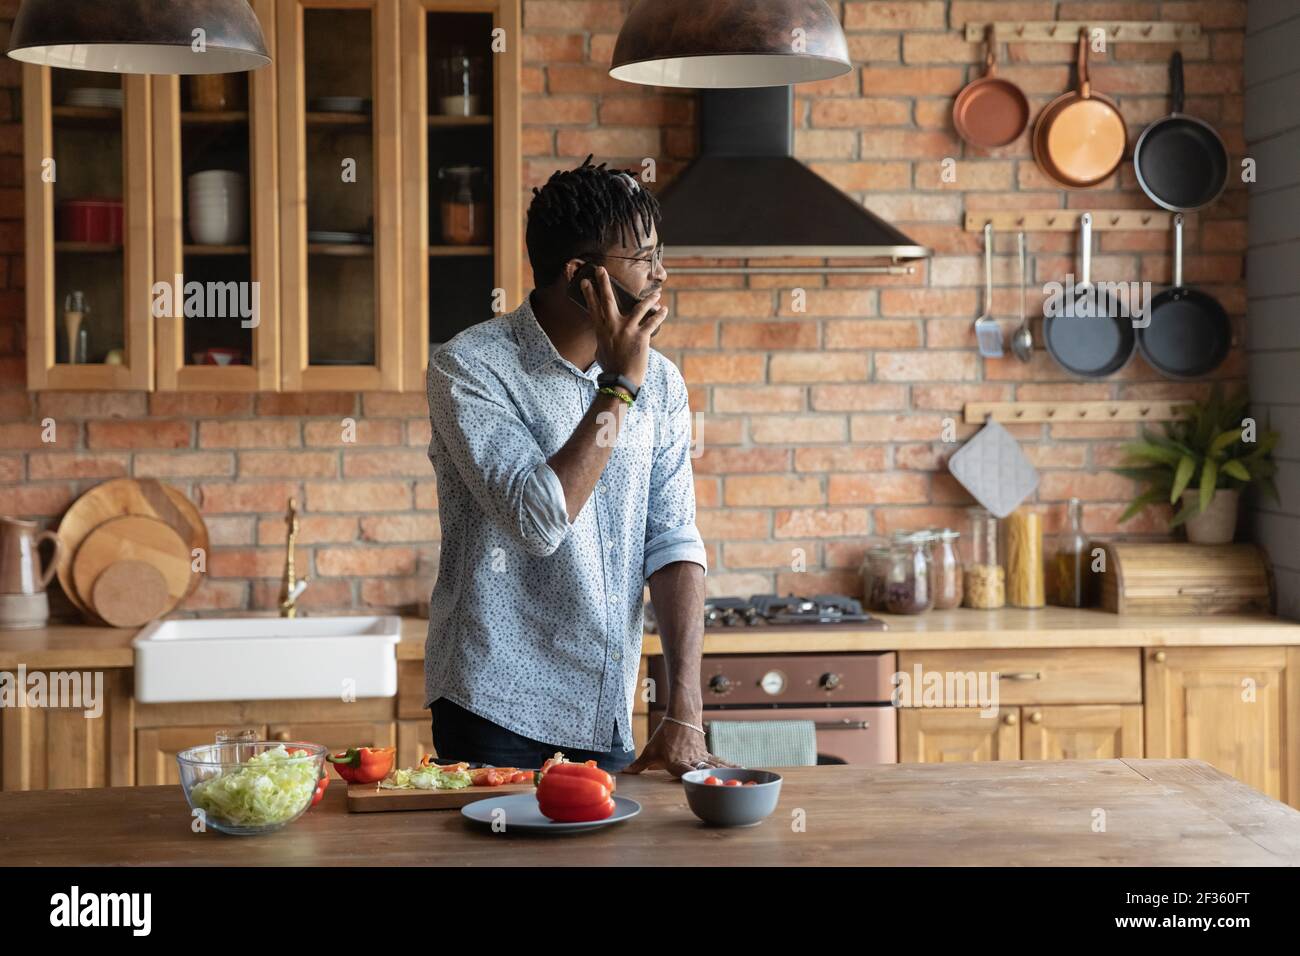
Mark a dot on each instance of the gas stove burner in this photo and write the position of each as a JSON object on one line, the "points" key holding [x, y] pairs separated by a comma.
{"points": [[790, 609]]}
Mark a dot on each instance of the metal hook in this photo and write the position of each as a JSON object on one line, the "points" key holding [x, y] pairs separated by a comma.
{"points": [[1114, 412], [1145, 411], [1149, 28], [1114, 220], [1051, 413]]}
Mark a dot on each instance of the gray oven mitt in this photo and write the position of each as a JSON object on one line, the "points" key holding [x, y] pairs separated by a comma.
{"points": [[994, 470]]}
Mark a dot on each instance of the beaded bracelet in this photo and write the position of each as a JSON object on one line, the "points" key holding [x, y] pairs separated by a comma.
{"points": [[625, 399]]}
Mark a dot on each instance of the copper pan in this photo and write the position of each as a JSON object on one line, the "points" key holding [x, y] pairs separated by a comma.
{"points": [[1080, 138], [990, 112]]}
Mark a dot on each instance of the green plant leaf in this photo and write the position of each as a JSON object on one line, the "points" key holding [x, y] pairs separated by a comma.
{"points": [[1209, 478], [1182, 477], [1152, 452], [1140, 502], [1224, 440], [1236, 469], [1187, 511]]}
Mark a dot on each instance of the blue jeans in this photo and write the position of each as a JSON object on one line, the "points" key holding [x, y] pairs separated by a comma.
{"points": [[459, 734]]}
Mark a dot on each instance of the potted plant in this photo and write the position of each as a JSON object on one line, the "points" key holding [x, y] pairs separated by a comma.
{"points": [[1202, 462]]}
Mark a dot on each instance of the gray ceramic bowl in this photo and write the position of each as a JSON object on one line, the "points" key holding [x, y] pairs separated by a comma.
{"points": [[732, 806]]}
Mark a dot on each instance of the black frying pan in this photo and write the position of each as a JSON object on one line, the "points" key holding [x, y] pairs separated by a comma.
{"points": [[1188, 334], [1091, 346], [1181, 162]]}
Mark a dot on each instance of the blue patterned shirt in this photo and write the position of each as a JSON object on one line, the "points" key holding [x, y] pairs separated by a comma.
{"points": [[535, 622]]}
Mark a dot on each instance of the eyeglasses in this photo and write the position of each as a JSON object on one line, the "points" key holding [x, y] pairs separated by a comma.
{"points": [[655, 260]]}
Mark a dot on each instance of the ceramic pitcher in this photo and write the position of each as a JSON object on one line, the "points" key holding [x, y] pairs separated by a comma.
{"points": [[20, 557]]}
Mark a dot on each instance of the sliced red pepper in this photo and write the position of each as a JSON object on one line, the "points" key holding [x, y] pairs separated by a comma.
{"points": [[321, 786], [364, 764]]}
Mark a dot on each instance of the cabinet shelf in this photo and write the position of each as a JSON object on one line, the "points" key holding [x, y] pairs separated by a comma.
{"points": [[338, 119], [457, 121], [87, 115], [340, 249], [214, 118], [89, 248], [460, 251], [200, 250]]}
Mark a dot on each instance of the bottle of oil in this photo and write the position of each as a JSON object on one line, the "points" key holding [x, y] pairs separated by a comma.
{"points": [[1071, 579]]}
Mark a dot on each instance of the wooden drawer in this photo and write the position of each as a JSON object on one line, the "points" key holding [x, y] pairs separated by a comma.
{"points": [[1111, 675]]}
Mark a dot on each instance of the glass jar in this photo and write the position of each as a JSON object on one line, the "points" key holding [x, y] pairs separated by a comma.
{"points": [[946, 569], [875, 578], [464, 210], [1070, 579], [908, 588], [985, 579], [461, 84], [1025, 581]]}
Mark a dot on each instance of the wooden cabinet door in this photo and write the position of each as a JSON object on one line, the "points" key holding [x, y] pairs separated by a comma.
{"points": [[56, 748], [414, 740], [954, 734], [1237, 708], [242, 274], [340, 179], [77, 152], [451, 282], [1081, 732], [337, 735], [156, 749]]}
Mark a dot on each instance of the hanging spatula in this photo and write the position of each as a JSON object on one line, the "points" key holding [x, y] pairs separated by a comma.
{"points": [[987, 331]]}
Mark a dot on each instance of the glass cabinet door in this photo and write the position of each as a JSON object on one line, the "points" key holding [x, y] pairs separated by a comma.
{"points": [[340, 213], [88, 175], [463, 221], [217, 216]]}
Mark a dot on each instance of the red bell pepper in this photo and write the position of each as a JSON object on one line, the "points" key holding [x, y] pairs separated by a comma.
{"points": [[364, 764], [568, 797], [321, 785]]}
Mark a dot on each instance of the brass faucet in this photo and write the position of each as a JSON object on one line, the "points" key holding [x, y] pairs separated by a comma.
{"points": [[293, 586]]}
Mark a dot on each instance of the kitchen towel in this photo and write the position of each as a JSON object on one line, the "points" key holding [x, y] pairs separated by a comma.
{"points": [[764, 743]]}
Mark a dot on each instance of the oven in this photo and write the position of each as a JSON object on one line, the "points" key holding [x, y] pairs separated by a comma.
{"points": [[846, 695]]}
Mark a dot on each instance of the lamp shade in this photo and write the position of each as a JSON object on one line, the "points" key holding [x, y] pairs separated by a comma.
{"points": [[140, 36], [707, 44]]}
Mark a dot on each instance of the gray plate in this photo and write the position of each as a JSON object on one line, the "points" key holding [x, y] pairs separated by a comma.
{"points": [[521, 814]]}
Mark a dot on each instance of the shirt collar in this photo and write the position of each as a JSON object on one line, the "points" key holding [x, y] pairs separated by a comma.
{"points": [[536, 349]]}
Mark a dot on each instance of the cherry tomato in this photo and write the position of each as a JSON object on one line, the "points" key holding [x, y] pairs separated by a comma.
{"points": [[713, 781], [732, 783], [750, 783]]}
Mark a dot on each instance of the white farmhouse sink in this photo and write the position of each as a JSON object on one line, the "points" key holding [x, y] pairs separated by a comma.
{"points": [[267, 658]]}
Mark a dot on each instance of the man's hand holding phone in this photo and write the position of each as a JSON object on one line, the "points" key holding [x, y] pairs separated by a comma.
{"points": [[622, 341]]}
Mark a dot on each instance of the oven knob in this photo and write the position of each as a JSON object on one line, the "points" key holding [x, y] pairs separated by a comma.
{"points": [[719, 684], [829, 681], [773, 682]]}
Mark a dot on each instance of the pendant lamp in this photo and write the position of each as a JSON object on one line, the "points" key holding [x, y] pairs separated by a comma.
{"points": [[140, 36], [727, 44]]}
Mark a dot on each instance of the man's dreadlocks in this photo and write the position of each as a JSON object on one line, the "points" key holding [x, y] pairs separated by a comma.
{"points": [[585, 211]]}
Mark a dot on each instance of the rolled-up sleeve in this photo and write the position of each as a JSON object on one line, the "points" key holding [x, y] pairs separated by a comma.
{"points": [[671, 534], [495, 454]]}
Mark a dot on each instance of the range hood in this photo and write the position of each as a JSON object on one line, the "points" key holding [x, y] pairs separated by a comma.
{"points": [[747, 197]]}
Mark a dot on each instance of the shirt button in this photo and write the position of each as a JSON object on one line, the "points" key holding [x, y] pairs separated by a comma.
{"points": [[600, 487], [613, 599], [616, 654]]}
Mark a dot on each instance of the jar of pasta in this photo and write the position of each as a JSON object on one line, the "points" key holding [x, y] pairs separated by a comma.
{"points": [[1025, 580], [985, 585]]}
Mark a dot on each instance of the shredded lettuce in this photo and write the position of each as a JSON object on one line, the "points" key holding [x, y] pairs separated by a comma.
{"points": [[269, 788], [426, 778]]}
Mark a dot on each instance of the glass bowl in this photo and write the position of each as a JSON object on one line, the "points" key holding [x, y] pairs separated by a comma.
{"points": [[250, 788]]}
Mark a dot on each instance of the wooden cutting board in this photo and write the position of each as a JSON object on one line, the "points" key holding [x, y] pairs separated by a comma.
{"points": [[126, 496], [368, 798], [133, 538]]}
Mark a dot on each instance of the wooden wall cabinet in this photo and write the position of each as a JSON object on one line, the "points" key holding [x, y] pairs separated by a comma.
{"points": [[350, 147], [1237, 708]]}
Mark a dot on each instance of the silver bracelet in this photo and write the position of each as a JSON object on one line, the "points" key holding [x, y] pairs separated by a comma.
{"points": [[698, 730]]}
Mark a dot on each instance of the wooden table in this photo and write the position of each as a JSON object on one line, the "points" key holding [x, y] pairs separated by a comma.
{"points": [[1156, 813]]}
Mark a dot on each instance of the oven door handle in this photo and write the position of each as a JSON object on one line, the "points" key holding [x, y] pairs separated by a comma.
{"points": [[832, 725]]}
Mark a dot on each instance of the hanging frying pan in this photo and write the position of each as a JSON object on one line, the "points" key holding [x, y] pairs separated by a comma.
{"points": [[1181, 162], [1080, 138], [1189, 334], [990, 112], [1089, 338]]}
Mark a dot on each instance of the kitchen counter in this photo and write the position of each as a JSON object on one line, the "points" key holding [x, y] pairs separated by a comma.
{"points": [[1158, 813], [81, 646]]}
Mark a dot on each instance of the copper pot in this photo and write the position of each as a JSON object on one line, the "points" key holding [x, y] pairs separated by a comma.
{"points": [[990, 112], [1080, 138]]}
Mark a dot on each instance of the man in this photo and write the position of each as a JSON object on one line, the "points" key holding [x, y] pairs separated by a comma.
{"points": [[561, 443]]}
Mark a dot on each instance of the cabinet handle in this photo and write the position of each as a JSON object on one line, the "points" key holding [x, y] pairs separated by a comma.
{"points": [[1036, 717], [282, 735], [1011, 720], [1159, 657], [1021, 675]]}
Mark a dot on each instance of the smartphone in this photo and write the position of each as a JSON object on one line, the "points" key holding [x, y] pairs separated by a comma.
{"points": [[625, 299]]}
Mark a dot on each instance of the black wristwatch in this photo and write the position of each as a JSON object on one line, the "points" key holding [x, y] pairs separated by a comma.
{"points": [[612, 379]]}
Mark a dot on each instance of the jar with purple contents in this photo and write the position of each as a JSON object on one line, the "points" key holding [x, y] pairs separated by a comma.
{"points": [[908, 589], [875, 578]]}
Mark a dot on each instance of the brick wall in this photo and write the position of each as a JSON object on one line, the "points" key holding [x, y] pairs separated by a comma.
{"points": [[820, 428]]}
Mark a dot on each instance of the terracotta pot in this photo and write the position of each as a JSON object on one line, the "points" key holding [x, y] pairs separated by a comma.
{"points": [[1217, 524]]}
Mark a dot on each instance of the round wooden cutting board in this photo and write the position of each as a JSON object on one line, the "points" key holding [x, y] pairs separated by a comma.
{"points": [[126, 496], [133, 538], [130, 594]]}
